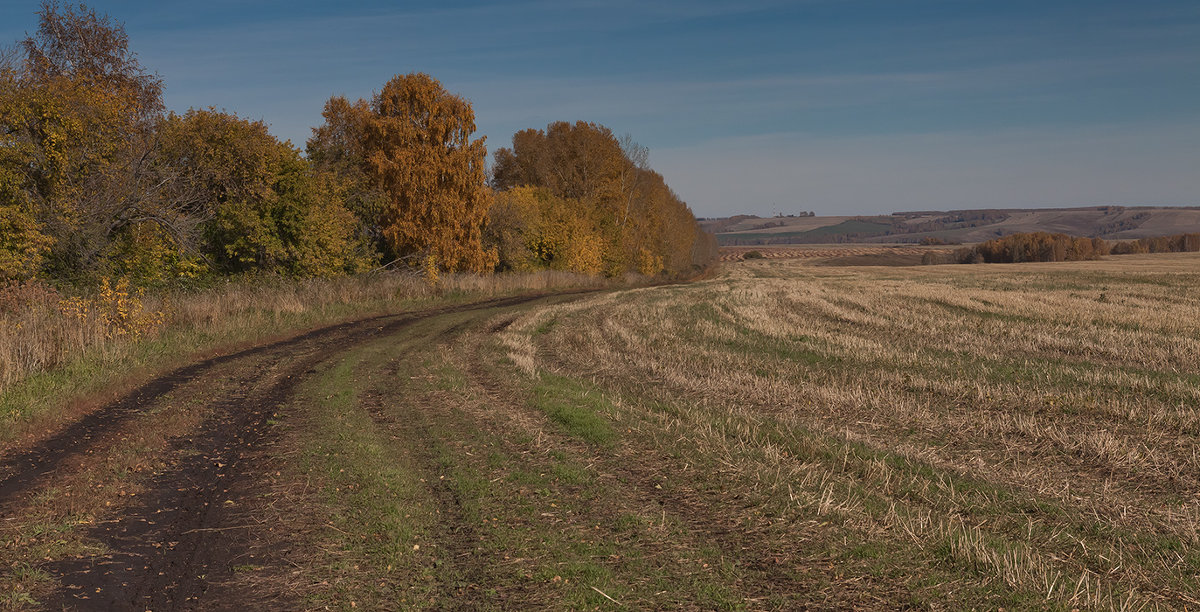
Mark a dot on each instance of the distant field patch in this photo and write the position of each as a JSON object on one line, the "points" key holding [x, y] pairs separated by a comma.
{"points": [[851, 227], [859, 254]]}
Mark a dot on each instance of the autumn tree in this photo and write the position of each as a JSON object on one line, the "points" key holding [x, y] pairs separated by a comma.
{"points": [[637, 222], [581, 161], [531, 228], [638, 164], [23, 246], [509, 231], [95, 178], [1036, 246], [265, 208], [336, 149], [1180, 243], [77, 119], [23, 241], [422, 177]]}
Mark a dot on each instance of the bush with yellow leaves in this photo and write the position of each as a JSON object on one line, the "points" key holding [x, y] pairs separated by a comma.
{"points": [[117, 310]]}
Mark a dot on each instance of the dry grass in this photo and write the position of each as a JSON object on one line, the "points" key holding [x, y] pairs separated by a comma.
{"points": [[1027, 431], [55, 346], [41, 329]]}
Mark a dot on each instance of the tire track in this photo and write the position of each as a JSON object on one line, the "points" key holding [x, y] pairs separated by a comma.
{"points": [[457, 540], [175, 548], [420, 429], [26, 469], [179, 539]]}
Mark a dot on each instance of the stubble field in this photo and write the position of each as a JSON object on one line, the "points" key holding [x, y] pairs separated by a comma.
{"points": [[949, 436]]}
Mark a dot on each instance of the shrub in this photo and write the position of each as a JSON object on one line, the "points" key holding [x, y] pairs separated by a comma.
{"points": [[753, 255]]}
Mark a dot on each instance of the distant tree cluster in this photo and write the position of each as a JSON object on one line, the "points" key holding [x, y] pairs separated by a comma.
{"points": [[936, 241], [1180, 243], [1017, 248], [1041, 246], [98, 180]]}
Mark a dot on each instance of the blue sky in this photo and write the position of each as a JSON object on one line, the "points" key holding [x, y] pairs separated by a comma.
{"points": [[835, 106]]}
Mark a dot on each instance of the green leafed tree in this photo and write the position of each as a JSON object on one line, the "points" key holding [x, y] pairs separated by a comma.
{"points": [[267, 209]]}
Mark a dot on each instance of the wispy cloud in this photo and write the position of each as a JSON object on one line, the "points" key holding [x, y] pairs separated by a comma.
{"points": [[843, 104]]}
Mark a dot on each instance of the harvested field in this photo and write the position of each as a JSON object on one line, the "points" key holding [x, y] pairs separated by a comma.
{"points": [[998, 436], [780, 436], [911, 254]]}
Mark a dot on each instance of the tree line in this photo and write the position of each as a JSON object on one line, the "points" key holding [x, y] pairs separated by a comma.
{"points": [[575, 197], [1040, 246], [1179, 243], [98, 179], [1046, 247]]}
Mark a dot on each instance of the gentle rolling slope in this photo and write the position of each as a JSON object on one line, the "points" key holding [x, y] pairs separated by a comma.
{"points": [[1111, 222], [782, 436]]}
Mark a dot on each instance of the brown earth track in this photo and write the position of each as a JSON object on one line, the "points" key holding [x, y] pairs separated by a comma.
{"points": [[24, 469], [167, 549], [176, 547]]}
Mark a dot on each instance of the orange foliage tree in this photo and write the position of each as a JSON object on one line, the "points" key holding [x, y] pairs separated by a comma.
{"points": [[532, 228], [425, 186], [633, 218], [1038, 246]]}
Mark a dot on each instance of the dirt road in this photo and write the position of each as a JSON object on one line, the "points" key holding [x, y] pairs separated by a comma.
{"points": [[154, 501]]}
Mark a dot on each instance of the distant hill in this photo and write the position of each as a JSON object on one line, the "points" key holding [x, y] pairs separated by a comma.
{"points": [[966, 226]]}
